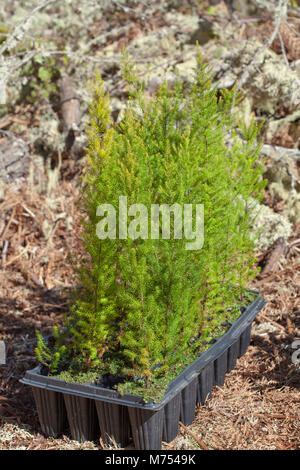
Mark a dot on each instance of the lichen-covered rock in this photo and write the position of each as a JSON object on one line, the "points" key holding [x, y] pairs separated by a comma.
{"points": [[266, 78], [2, 192], [14, 159], [293, 207], [282, 173], [284, 132], [270, 226]]}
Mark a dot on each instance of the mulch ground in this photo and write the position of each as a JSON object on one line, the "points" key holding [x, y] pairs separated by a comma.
{"points": [[257, 408]]}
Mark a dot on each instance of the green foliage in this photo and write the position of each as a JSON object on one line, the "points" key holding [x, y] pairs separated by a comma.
{"points": [[51, 357], [145, 305], [3, 32], [157, 385], [40, 78]]}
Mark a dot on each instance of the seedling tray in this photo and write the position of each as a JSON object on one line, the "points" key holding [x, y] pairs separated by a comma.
{"points": [[91, 410]]}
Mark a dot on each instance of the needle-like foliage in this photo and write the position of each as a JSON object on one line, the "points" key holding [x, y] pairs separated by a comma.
{"points": [[144, 303]]}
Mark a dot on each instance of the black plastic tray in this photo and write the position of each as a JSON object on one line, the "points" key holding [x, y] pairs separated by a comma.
{"points": [[86, 407]]}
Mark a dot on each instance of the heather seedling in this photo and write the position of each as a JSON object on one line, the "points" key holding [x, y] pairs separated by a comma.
{"points": [[148, 304]]}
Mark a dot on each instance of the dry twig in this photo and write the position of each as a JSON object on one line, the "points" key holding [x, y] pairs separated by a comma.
{"points": [[196, 439]]}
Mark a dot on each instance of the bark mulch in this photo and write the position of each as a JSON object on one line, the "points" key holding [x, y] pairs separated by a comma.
{"points": [[257, 408]]}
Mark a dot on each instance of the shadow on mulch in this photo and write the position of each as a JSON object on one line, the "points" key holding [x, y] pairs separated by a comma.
{"points": [[272, 362], [20, 319]]}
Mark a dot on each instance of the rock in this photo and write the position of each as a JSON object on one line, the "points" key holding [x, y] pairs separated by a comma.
{"points": [[282, 173], [270, 225], [14, 159], [264, 329], [284, 132], [269, 81], [269, 150], [2, 191]]}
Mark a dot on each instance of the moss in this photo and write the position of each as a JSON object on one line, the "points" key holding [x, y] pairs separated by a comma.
{"points": [[80, 377]]}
